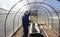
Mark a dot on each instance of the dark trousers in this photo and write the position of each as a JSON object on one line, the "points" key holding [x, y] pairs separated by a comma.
{"points": [[25, 29]]}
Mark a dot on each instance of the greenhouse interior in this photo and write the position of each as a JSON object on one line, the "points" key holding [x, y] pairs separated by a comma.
{"points": [[44, 14]]}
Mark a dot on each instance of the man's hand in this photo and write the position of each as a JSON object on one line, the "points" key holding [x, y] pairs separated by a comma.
{"points": [[30, 21]]}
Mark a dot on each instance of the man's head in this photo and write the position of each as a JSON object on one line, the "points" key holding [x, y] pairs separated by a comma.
{"points": [[26, 12]]}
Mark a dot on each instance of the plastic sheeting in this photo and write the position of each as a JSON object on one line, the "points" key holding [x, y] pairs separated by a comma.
{"points": [[47, 14]]}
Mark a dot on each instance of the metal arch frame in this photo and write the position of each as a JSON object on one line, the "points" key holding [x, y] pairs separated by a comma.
{"points": [[19, 15], [7, 16], [19, 10], [23, 6], [51, 17], [45, 11], [46, 15], [50, 14], [14, 19], [15, 15], [28, 2], [35, 2]]}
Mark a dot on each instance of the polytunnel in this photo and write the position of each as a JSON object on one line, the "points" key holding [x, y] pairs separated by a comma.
{"points": [[41, 11]]}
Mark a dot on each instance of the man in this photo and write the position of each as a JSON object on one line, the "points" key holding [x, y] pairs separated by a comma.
{"points": [[25, 23]]}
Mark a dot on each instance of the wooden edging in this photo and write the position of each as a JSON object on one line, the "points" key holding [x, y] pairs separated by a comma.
{"points": [[16, 31], [45, 32]]}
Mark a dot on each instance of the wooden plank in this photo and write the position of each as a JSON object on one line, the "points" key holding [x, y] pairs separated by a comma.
{"points": [[49, 31], [19, 33]]}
